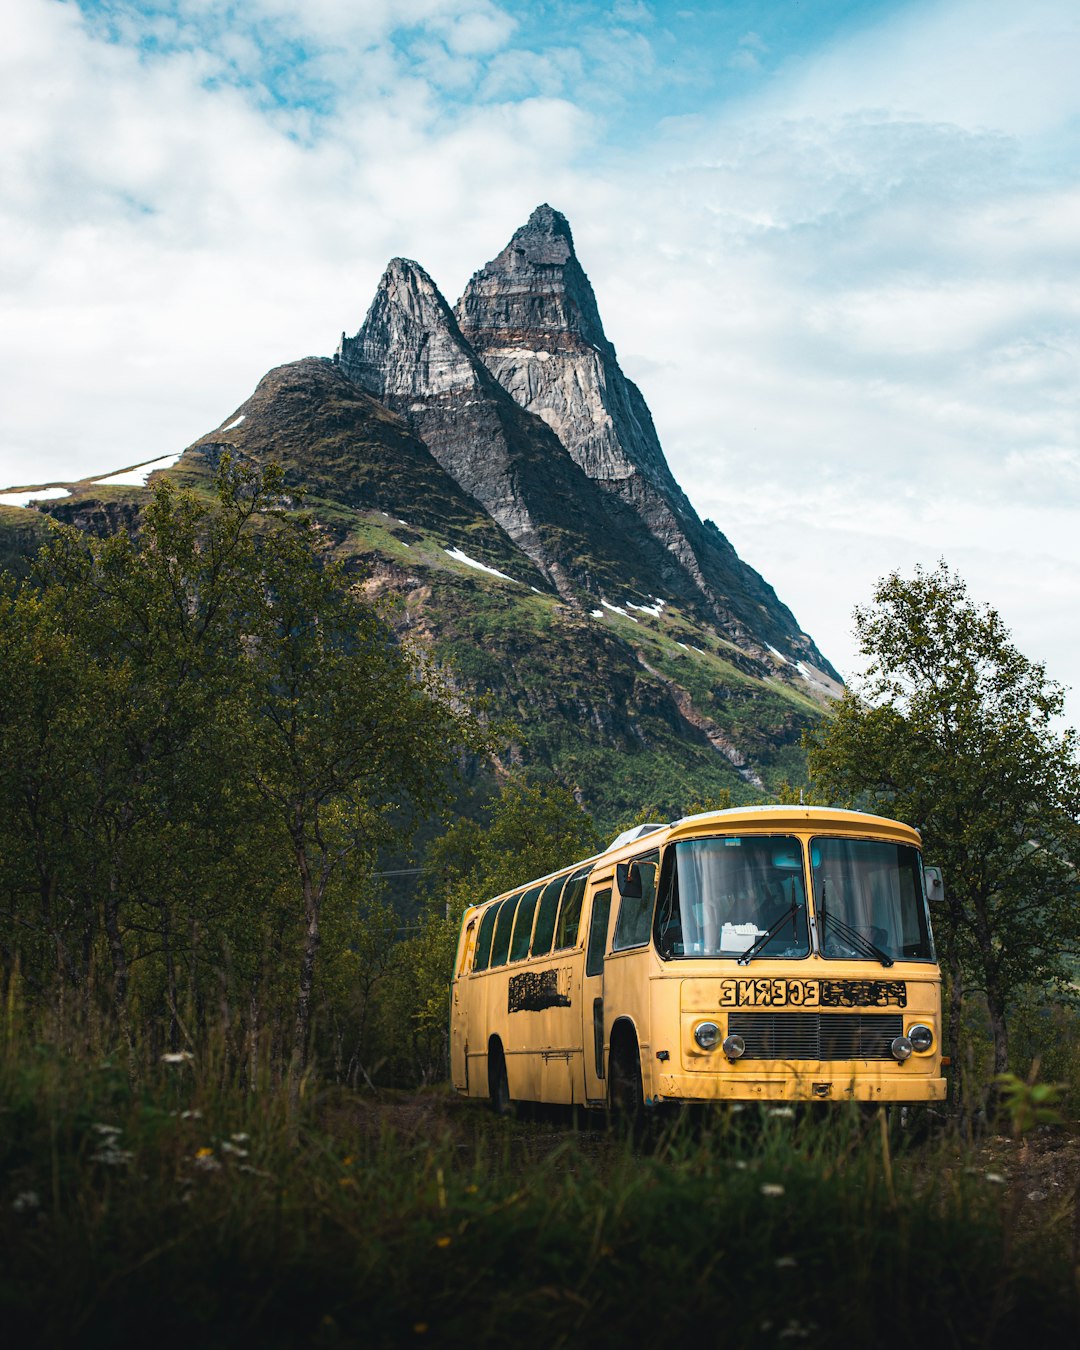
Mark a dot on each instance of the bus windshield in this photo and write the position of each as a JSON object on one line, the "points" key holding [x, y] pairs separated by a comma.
{"points": [[720, 897], [869, 901]]}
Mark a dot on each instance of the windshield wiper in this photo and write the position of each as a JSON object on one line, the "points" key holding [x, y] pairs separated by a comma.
{"points": [[852, 935], [772, 930]]}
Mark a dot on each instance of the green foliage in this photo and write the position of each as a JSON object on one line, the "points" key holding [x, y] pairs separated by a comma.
{"points": [[530, 829], [207, 736], [1029, 1103], [954, 730]]}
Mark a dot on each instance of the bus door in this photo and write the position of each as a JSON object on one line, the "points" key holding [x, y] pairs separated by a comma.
{"points": [[459, 1003], [592, 992]]}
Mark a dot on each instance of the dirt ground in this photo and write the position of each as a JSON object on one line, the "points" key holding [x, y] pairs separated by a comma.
{"points": [[1041, 1174]]}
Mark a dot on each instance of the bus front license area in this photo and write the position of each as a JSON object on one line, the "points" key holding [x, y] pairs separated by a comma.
{"points": [[771, 992]]}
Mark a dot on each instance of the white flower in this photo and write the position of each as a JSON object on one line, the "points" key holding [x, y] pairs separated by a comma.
{"points": [[112, 1156], [226, 1147], [239, 1138], [772, 1188], [788, 1112], [108, 1130], [191, 1115], [26, 1200], [177, 1057]]}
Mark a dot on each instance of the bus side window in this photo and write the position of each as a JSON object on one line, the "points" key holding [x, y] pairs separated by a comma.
{"points": [[483, 942], [519, 943], [467, 946], [636, 911], [545, 920], [570, 911], [598, 926], [500, 944]]}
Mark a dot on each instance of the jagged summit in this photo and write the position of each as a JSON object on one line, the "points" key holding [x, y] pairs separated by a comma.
{"points": [[409, 342], [519, 395], [410, 354], [536, 290], [546, 222], [531, 315]]}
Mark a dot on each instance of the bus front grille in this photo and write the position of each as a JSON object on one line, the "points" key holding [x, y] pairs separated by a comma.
{"points": [[808, 1035]]}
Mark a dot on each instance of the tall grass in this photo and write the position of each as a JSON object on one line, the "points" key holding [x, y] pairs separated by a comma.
{"points": [[188, 1211]]}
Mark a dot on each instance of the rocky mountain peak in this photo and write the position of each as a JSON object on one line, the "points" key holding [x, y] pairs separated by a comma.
{"points": [[545, 239], [532, 318], [409, 343], [534, 292]]}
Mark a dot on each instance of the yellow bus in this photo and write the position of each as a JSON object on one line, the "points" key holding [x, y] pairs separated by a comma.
{"points": [[771, 953]]}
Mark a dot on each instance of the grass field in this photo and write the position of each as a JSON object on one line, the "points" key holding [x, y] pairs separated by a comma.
{"points": [[180, 1213]]}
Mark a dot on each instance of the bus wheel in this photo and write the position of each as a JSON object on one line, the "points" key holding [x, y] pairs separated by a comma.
{"points": [[624, 1084], [498, 1086]]}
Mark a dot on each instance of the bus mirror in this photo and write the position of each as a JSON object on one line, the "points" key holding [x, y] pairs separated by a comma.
{"points": [[628, 879], [935, 887]]}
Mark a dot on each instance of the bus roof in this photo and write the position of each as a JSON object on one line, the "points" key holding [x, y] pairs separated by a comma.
{"points": [[795, 816]]}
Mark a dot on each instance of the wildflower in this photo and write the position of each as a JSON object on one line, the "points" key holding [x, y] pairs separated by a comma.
{"points": [[795, 1331], [234, 1149], [772, 1188], [787, 1112], [26, 1200], [240, 1138], [205, 1160], [348, 1160], [254, 1171], [177, 1057], [995, 1177], [191, 1115], [442, 1241], [108, 1130], [785, 1262], [741, 1164], [112, 1156]]}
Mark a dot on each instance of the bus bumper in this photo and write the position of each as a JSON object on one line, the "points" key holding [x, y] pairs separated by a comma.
{"points": [[697, 1087]]}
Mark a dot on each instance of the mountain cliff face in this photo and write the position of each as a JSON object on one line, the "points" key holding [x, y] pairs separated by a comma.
{"points": [[532, 317], [410, 355], [499, 481]]}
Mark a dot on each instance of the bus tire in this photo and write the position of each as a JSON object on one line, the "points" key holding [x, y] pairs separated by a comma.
{"points": [[625, 1094], [498, 1084]]}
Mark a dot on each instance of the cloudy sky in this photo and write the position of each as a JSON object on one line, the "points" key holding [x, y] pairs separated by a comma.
{"points": [[835, 242]]}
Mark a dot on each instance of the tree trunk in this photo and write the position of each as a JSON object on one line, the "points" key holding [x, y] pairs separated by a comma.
{"points": [[312, 938], [120, 970], [995, 1002], [173, 1035]]}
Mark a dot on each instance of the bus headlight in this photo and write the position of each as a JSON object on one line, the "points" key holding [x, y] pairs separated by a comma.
{"points": [[921, 1038], [901, 1048], [734, 1047], [707, 1034]]}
